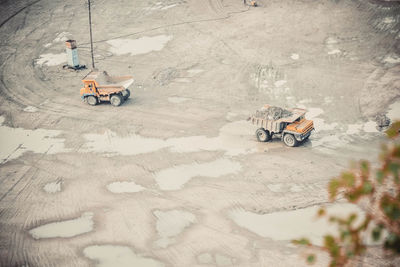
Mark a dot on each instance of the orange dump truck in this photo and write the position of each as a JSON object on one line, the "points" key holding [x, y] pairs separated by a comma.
{"points": [[288, 124], [99, 87]]}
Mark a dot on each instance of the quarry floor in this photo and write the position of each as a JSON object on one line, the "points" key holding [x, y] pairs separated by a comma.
{"points": [[175, 175]]}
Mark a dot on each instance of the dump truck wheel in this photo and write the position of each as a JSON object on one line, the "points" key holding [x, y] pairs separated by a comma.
{"points": [[116, 100], [91, 100], [127, 94], [262, 135], [289, 140]]}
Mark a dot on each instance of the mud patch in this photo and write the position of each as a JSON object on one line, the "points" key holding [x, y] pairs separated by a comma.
{"points": [[289, 225], [111, 256], [70, 228], [170, 224], [14, 142], [138, 46], [176, 177], [124, 187]]}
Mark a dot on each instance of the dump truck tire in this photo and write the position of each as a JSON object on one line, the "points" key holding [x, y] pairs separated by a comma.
{"points": [[289, 140], [263, 135], [127, 94], [91, 100], [116, 100]]}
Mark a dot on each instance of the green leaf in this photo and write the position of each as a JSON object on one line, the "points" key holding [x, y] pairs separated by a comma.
{"points": [[348, 178], [376, 233], [311, 259], [393, 131], [367, 187], [302, 241], [333, 188], [380, 176]]}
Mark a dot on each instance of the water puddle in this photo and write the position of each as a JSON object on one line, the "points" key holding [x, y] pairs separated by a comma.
{"points": [[195, 71], [289, 225], [170, 224], [294, 56], [138, 46], [217, 259], [31, 109], [160, 6], [177, 99], [124, 187], [120, 256], [51, 59], [53, 187], [290, 187], [334, 52], [176, 177], [394, 111], [391, 59], [16, 141], [234, 138], [62, 37], [69, 228]]}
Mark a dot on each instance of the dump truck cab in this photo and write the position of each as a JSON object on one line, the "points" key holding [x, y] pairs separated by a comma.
{"points": [[99, 87], [288, 124]]}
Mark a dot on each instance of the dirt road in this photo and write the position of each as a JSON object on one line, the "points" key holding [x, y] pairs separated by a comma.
{"points": [[175, 176]]}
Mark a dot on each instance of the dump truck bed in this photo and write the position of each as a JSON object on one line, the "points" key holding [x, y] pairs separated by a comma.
{"points": [[103, 80]]}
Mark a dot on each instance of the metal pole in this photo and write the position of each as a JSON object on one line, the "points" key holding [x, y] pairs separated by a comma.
{"points": [[91, 39]]}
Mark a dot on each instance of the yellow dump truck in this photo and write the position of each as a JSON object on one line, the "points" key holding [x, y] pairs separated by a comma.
{"points": [[288, 124], [99, 86]]}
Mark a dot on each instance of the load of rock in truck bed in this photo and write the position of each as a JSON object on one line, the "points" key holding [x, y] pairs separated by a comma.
{"points": [[273, 113]]}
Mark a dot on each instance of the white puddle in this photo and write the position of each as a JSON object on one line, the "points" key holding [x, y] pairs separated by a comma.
{"points": [[394, 111], [182, 80], [16, 141], [280, 83], [169, 6], [295, 56], [195, 71], [354, 128], [295, 224], [51, 59], [118, 256], [289, 187], [234, 138], [62, 37], [160, 6], [370, 127], [177, 99], [124, 187], [391, 59], [31, 109], [170, 224], [138, 46], [174, 178], [53, 187], [70, 228], [388, 20], [111, 144], [334, 52]]}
